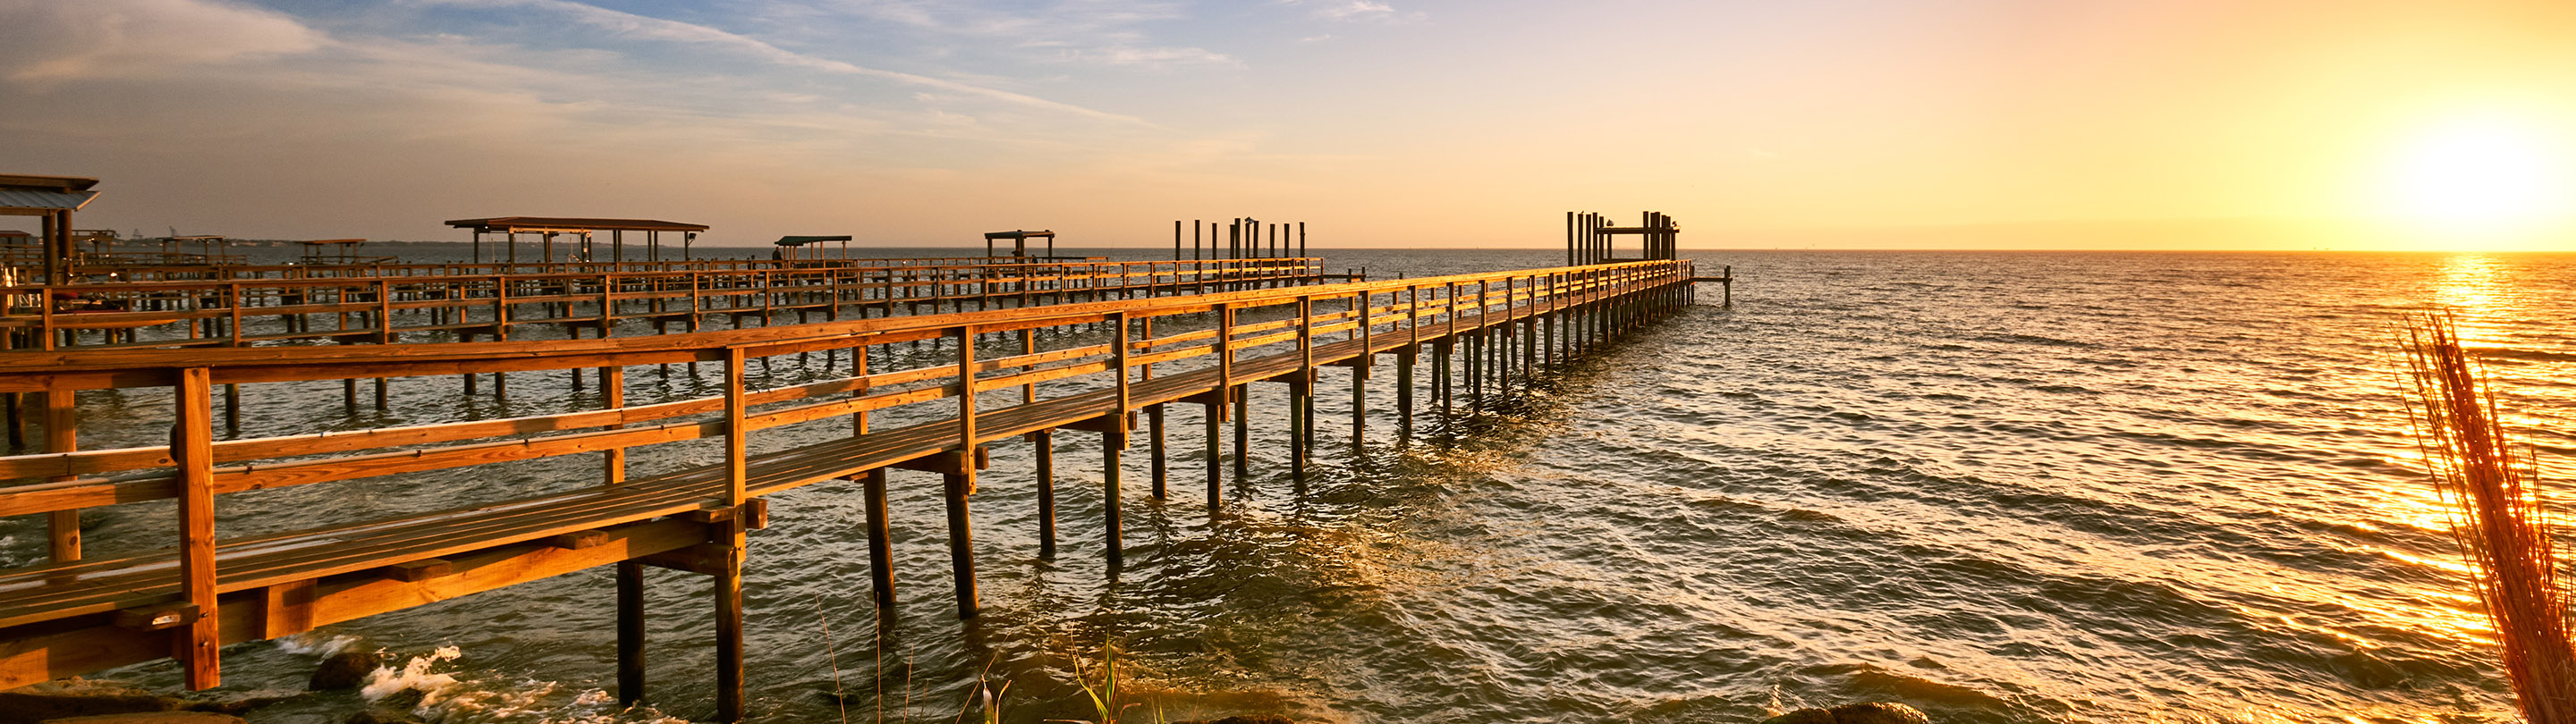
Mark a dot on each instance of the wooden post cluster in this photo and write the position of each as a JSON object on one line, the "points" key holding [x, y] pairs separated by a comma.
{"points": [[1590, 238], [1244, 238]]}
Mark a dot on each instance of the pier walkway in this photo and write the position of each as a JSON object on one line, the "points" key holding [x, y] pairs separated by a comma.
{"points": [[988, 378]]}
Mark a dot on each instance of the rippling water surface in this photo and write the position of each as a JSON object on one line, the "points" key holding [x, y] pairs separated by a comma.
{"points": [[2002, 487]]}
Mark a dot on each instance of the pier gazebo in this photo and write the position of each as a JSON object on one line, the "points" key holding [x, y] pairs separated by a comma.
{"points": [[802, 248], [549, 227], [52, 198], [1019, 241]]}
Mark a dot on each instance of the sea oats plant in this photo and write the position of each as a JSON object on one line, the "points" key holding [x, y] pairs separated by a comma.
{"points": [[2500, 519]]}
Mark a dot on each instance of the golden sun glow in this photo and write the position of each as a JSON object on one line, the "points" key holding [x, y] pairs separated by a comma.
{"points": [[2474, 179]]}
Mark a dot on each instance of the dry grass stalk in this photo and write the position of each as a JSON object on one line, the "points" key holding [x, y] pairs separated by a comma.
{"points": [[2500, 520]]}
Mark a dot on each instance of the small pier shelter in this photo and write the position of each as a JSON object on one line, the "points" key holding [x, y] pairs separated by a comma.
{"points": [[1019, 241], [510, 227], [334, 252], [52, 198], [805, 248]]}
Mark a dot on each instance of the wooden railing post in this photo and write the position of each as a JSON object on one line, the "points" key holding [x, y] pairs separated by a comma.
{"points": [[62, 435], [737, 439], [198, 645], [958, 481]]}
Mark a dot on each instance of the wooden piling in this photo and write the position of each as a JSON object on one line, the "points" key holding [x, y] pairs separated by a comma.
{"points": [[958, 480], [1156, 440], [630, 632], [1405, 359], [1044, 441], [197, 645], [1242, 433], [955, 487], [880, 539], [1215, 418], [728, 594], [62, 435], [1112, 511]]}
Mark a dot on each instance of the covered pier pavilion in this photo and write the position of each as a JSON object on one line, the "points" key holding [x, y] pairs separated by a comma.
{"points": [[808, 248], [510, 227], [1019, 242], [53, 199]]}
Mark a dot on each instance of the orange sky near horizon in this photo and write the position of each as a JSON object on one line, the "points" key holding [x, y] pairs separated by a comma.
{"points": [[2294, 124]]}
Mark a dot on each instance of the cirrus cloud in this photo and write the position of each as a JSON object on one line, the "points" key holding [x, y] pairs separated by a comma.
{"points": [[107, 38]]}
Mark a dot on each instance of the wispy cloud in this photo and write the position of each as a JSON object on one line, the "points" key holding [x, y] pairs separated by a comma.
{"points": [[638, 26], [1160, 57], [62, 41], [1354, 10], [1105, 32]]}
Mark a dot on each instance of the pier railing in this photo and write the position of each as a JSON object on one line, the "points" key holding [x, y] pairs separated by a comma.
{"points": [[398, 308], [192, 267], [988, 376]]}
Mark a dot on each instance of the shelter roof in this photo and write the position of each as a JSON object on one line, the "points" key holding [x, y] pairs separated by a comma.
{"points": [[560, 224], [20, 192], [1018, 234], [803, 240]]}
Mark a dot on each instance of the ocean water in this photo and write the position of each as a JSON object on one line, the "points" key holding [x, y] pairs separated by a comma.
{"points": [[2000, 487]]}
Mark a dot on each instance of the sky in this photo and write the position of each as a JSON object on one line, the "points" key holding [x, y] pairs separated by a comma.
{"points": [[1380, 123]]}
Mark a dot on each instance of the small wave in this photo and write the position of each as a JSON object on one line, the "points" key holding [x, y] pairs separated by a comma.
{"points": [[314, 643], [446, 698], [2528, 355], [2034, 339]]}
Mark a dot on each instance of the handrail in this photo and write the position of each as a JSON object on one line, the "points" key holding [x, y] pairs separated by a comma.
{"points": [[18, 370], [446, 299]]}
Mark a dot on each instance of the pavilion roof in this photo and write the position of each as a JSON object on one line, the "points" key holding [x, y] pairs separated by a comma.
{"points": [[21, 192], [524, 224], [803, 240]]}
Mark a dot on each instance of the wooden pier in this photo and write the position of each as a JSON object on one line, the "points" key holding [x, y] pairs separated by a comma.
{"points": [[995, 378]]}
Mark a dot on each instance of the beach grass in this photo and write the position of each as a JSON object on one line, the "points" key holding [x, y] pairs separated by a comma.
{"points": [[2500, 519]]}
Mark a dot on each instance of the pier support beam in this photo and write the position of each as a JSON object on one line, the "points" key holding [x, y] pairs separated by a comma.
{"points": [[1044, 440], [1299, 424], [1404, 361], [880, 539], [961, 539], [1242, 433], [1359, 401], [1155, 439], [1112, 511], [62, 435], [630, 632], [728, 591], [1215, 418]]}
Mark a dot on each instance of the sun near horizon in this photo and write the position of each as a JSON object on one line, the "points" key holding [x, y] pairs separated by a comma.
{"points": [[2487, 181]]}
